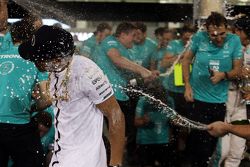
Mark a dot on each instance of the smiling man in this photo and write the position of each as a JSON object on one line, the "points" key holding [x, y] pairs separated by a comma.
{"points": [[217, 57]]}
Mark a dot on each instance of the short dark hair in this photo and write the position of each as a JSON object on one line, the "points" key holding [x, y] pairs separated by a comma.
{"points": [[141, 26], [24, 29], [124, 27], [103, 26], [187, 28], [21, 31], [216, 19], [244, 25], [159, 31]]}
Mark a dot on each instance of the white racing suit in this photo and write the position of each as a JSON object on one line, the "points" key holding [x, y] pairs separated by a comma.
{"points": [[230, 148]]}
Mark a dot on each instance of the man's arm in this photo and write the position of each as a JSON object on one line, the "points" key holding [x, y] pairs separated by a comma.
{"points": [[124, 63], [234, 73], [41, 96], [186, 62], [3, 16], [219, 129], [168, 60], [112, 111]]}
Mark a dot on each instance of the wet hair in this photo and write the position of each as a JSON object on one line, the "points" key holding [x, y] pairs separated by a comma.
{"points": [[103, 26], [216, 19], [243, 24], [42, 117], [24, 29], [141, 26], [124, 27], [21, 31]]}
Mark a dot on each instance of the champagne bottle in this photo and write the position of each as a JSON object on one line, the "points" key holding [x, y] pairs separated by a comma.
{"points": [[137, 81], [241, 122]]}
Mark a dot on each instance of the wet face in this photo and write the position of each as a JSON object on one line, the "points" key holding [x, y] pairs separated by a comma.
{"points": [[53, 65], [217, 34], [168, 36], [128, 38], [186, 37], [139, 37]]}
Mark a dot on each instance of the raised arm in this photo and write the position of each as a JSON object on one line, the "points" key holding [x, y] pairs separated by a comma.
{"points": [[124, 63]]}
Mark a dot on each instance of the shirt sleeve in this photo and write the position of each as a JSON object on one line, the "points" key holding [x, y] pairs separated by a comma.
{"points": [[110, 44], [194, 43], [238, 50], [96, 85], [42, 76], [139, 111]]}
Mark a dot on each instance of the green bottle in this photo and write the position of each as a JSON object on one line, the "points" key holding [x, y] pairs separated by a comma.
{"points": [[241, 122]]}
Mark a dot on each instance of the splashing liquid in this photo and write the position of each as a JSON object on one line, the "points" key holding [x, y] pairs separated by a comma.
{"points": [[170, 113]]}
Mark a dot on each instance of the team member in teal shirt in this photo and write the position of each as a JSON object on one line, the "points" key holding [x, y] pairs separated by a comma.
{"points": [[19, 139], [153, 133], [114, 59], [102, 31], [144, 48], [217, 58], [174, 49]]}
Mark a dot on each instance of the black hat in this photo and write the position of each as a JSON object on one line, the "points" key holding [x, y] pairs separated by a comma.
{"points": [[47, 43], [244, 25]]}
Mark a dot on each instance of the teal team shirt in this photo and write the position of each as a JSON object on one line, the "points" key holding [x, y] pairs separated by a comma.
{"points": [[89, 47], [18, 78], [158, 56], [209, 56], [116, 76], [175, 48], [142, 54], [157, 131]]}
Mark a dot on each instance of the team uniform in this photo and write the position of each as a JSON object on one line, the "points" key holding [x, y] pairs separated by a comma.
{"points": [[230, 148], [142, 54], [209, 99], [88, 47], [116, 76], [78, 122], [153, 138], [18, 137]]}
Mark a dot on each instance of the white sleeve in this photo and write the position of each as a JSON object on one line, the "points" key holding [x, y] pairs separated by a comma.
{"points": [[97, 86]]}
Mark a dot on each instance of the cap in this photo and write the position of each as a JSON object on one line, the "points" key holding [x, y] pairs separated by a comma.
{"points": [[244, 25], [47, 43]]}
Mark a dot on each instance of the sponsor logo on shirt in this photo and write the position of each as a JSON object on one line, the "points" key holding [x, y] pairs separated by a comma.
{"points": [[9, 56], [6, 67]]}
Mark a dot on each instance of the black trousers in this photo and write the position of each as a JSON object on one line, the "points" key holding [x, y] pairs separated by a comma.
{"points": [[200, 144], [149, 153], [22, 144]]}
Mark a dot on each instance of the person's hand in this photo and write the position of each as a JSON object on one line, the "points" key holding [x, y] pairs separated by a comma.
{"points": [[150, 75], [246, 96], [218, 129], [245, 73], [188, 94], [217, 76]]}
